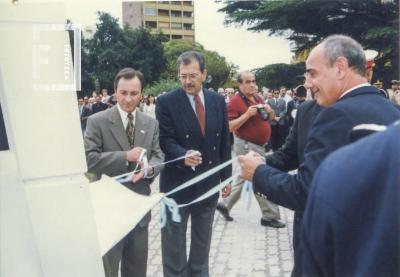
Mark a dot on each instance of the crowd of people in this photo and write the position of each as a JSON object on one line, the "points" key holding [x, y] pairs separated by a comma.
{"points": [[343, 225]]}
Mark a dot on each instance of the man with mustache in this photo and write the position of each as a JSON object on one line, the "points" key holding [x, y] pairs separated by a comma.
{"points": [[191, 119]]}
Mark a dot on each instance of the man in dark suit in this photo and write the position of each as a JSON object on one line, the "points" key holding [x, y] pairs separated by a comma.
{"points": [[84, 113], [300, 94], [98, 106], [291, 155], [191, 118], [114, 139], [352, 220], [277, 124], [336, 74]]}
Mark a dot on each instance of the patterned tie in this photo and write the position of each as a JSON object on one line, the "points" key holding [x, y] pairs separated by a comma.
{"points": [[200, 113], [130, 130]]}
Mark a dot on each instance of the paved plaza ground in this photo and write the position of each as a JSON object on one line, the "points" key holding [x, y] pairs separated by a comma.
{"points": [[239, 248]]}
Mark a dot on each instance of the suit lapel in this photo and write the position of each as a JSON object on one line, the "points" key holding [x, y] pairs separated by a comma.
{"points": [[117, 128], [209, 106], [140, 129]]}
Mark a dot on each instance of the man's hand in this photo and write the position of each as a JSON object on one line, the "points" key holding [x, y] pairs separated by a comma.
{"points": [[137, 176], [150, 171], [252, 110], [226, 191], [249, 163], [194, 160], [134, 154]]}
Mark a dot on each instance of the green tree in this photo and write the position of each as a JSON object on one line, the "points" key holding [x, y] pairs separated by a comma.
{"points": [[305, 22], [161, 86], [113, 48], [280, 74], [217, 66]]}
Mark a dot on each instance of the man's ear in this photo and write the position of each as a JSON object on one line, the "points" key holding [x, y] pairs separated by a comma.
{"points": [[204, 75], [342, 66]]}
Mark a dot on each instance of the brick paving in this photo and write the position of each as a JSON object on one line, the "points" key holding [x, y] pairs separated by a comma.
{"points": [[239, 248]]}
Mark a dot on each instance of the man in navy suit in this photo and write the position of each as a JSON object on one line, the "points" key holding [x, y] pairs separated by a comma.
{"points": [[352, 220], [191, 119], [336, 74]]}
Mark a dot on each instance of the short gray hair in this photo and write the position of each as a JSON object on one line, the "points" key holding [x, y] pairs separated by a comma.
{"points": [[239, 77], [190, 56], [344, 46]]}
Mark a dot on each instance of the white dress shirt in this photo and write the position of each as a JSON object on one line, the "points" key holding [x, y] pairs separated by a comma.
{"points": [[124, 116]]}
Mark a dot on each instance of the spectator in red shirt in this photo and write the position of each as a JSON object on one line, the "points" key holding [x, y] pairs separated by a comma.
{"points": [[248, 121]]}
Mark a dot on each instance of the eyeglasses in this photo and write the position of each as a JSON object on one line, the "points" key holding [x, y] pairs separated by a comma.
{"points": [[248, 82], [191, 77]]}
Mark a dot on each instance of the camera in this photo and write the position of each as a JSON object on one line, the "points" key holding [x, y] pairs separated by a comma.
{"points": [[262, 112]]}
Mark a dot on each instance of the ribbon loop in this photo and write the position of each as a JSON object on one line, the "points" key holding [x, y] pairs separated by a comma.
{"points": [[172, 207]]}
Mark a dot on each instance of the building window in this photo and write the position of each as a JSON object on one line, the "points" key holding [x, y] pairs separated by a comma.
{"points": [[188, 26], [163, 25], [150, 11], [176, 25], [187, 14], [151, 24], [187, 3], [176, 2], [189, 38], [163, 12], [176, 13], [176, 37]]}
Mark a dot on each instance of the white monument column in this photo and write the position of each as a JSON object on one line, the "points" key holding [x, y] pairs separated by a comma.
{"points": [[53, 223]]}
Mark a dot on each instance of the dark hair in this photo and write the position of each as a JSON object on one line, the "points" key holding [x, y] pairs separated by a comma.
{"points": [[129, 73], [148, 101], [190, 56], [239, 77], [344, 46], [301, 91]]}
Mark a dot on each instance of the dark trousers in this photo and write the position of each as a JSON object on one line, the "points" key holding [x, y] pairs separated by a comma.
{"points": [[274, 141], [132, 251], [298, 218], [173, 241], [283, 133]]}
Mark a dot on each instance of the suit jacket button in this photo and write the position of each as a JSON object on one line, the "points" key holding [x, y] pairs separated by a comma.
{"points": [[187, 136], [217, 134], [215, 148], [210, 162]]}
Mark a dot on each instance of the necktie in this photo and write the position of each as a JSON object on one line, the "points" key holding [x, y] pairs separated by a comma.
{"points": [[130, 130], [200, 113]]}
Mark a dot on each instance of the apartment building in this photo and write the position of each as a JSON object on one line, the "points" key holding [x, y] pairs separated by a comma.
{"points": [[174, 18]]}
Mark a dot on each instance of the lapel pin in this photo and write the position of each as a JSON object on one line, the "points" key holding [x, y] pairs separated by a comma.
{"points": [[142, 131]]}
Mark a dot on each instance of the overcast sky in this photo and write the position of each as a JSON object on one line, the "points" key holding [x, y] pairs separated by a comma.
{"points": [[246, 49]]}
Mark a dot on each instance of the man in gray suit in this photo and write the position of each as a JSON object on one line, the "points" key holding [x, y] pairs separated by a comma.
{"points": [[277, 124], [114, 140]]}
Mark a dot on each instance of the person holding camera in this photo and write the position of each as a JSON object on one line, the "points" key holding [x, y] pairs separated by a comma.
{"points": [[249, 122]]}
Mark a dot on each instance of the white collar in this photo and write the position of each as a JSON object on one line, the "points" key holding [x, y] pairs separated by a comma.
{"points": [[124, 115], [191, 99], [353, 88]]}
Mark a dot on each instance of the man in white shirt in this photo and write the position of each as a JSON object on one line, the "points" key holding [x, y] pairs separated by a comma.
{"points": [[114, 141]]}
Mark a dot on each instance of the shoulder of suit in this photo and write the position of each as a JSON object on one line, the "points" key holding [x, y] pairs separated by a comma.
{"points": [[169, 95], [213, 94]]}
